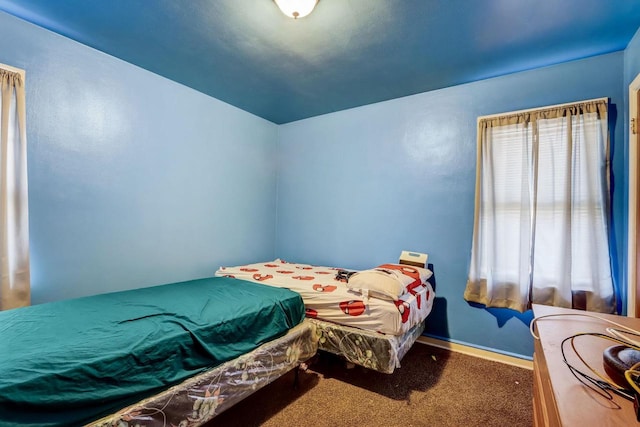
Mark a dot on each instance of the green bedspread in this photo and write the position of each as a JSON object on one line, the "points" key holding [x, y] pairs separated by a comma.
{"points": [[69, 362]]}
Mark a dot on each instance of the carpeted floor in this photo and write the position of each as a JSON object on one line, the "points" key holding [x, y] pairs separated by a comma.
{"points": [[434, 387]]}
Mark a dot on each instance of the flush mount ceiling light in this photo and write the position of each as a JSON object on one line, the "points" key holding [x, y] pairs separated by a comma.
{"points": [[296, 8]]}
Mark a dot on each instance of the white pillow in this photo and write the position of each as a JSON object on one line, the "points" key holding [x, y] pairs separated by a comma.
{"points": [[388, 281]]}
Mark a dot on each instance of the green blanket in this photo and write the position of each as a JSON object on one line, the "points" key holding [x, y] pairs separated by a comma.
{"points": [[73, 361]]}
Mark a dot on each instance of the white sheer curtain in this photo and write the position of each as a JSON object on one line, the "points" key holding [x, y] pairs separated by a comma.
{"points": [[14, 220], [542, 201]]}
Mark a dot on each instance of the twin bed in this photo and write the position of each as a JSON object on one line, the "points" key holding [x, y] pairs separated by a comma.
{"points": [[366, 320], [182, 353]]}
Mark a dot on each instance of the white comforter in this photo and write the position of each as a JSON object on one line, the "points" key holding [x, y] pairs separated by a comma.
{"points": [[329, 299]]}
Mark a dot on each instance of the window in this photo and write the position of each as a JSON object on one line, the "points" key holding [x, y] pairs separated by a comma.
{"points": [[541, 216]]}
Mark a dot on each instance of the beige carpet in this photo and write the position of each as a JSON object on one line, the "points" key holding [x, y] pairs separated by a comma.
{"points": [[434, 387]]}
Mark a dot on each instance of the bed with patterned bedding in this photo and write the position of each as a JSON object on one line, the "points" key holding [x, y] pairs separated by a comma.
{"points": [[174, 354], [365, 316]]}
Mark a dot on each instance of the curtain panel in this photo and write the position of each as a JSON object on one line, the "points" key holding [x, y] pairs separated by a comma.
{"points": [[14, 220], [542, 210]]}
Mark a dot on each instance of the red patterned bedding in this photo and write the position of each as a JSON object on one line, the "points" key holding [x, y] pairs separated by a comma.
{"points": [[328, 298]]}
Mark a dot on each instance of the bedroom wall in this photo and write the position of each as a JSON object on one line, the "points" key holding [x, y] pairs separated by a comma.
{"points": [[358, 186], [631, 70], [631, 61], [134, 180]]}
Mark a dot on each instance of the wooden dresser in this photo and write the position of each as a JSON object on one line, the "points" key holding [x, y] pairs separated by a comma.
{"points": [[559, 399]]}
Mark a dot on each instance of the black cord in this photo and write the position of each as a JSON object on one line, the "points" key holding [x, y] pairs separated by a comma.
{"points": [[344, 275], [598, 386]]}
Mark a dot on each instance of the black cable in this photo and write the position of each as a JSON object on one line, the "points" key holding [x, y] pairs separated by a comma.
{"points": [[598, 386]]}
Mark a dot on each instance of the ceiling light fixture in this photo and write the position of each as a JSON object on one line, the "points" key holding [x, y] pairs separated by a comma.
{"points": [[296, 8]]}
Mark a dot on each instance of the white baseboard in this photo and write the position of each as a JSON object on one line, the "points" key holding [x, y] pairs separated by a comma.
{"points": [[476, 352]]}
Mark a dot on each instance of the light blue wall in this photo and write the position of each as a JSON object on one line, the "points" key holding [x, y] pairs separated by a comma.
{"points": [[358, 186], [631, 70], [631, 61], [134, 180]]}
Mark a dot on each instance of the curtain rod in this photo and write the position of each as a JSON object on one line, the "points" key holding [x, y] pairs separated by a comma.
{"points": [[530, 110], [13, 69]]}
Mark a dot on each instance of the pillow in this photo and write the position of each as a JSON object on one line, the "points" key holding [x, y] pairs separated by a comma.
{"points": [[420, 275], [388, 281]]}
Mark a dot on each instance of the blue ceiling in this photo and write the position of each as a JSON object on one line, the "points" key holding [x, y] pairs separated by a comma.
{"points": [[345, 54]]}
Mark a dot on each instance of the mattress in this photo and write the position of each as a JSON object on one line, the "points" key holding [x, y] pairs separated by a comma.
{"points": [[199, 399], [328, 298], [69, 362]]}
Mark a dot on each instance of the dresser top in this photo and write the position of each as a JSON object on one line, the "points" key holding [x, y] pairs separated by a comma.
{"points": [[578, 405]]}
